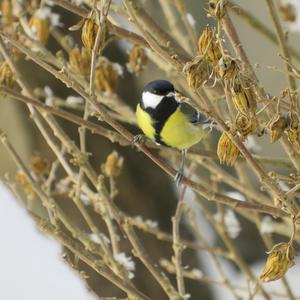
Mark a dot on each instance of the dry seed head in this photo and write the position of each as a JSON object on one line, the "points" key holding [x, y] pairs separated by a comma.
{"points": [[277, 127], [243, 99], [293, 130], [227, 68], [137, 59], [7, 15], [25, 184], [227, 151], [280, 259], [294, 137], [21, 177], [208, 46], [39, 165], [245, 125], [293, 120], [80, 61], [113, 165], [297, 219], [7, 76], [287, 12], [106, 77], [196, 72], [40, 28], [89, 33], [216, 8]]}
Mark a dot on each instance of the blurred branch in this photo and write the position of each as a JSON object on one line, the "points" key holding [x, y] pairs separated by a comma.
{"points": [[282, 42], [118, 31], [89, 259], [177, 246], [259, 26], [108, 230]]}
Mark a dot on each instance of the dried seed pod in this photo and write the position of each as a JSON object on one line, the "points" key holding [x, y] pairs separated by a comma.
{"points": [[106, 76], [287, 12], [39, 165], [216, 8], [7, 77], [280, 259], [297, 219], [7, 14], [245, 125], [243, 100], [293, 120], [196, 72], [227, 151], [294, 137], [80, 61], [113, 165], [227, 68], [40, 28], [277, 127], [25, 184], [137, 59], [21, 177], [293, 130], [89, 33], [208, 46]]}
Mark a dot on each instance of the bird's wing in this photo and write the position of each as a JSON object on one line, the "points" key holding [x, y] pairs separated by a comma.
{"points": [[194, 116], [199, 118]]}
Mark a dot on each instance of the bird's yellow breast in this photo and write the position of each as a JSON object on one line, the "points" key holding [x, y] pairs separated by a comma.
{"points": [[179, 132], [145, 122]]}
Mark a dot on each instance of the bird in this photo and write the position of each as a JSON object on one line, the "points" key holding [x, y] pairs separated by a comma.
{"points": [[162, 118]]}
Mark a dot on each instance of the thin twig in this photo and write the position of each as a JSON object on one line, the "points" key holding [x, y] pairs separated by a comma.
{"points": [[284, 49]]}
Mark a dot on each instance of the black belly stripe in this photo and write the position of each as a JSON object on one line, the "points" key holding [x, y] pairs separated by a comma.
{"points": [[160, 115]]}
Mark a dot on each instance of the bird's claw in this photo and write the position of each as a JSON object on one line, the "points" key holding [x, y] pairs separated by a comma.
{"points": [[139, 139], [210, 125], [179, 177]]}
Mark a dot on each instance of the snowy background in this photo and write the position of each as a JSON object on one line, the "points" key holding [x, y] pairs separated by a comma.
{"points": [[32, 267], [31, 264]]}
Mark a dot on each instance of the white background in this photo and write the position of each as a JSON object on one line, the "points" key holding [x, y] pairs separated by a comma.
{"points": [[31, 267]]}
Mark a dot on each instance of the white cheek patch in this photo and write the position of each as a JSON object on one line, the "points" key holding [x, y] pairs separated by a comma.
{"points": [[151, 100]]}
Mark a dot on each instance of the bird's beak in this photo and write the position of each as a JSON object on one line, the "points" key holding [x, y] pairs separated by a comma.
{"points": [[180, 97]]}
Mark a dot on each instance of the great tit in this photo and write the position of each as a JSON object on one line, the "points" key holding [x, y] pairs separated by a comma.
{"points": [[162, 118]]}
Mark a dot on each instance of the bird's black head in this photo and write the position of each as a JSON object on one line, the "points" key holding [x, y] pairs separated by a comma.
{"points": [[156, 93], [159, 87]]}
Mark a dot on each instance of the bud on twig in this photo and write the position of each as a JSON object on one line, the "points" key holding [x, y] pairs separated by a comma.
{"points": [[137, 59], [39, 165], [25, 184], [40, 28], [7, 14], [80, 61], [106, 76], [288, 12], [113, 165]]}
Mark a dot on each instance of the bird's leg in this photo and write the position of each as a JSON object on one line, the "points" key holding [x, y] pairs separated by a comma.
{"points": [[180, 173]]}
